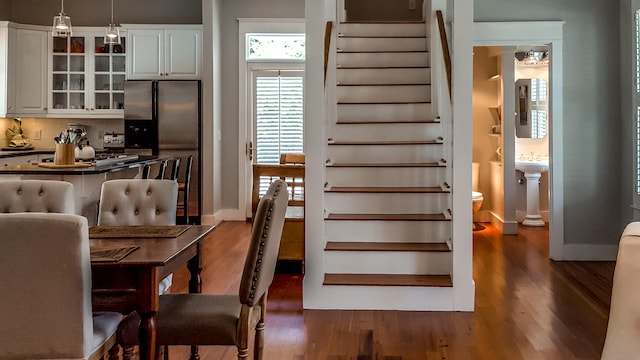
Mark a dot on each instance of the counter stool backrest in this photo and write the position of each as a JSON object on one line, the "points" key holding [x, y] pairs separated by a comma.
{"points": [[49, 196]]}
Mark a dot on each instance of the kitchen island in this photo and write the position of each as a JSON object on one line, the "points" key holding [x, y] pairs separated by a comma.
{"points": [[87, 178]]}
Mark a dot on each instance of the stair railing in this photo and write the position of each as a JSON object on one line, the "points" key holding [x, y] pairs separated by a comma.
{"points": [[327, 46], [445, 48]]}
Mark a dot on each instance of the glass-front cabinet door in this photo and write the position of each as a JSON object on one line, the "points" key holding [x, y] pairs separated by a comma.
{"points": [[69, 70], [87, 76], [109, 75]]}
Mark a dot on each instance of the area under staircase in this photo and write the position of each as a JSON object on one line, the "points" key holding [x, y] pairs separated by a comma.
{"points": [[387, 194]]}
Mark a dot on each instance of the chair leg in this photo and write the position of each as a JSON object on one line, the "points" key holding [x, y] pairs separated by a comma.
{"points": [[194, 353], [114, 352], [259, 336], [128, 352]]}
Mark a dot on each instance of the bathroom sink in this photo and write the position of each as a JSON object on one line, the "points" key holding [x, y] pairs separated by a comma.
{"points": [[532, 166]]}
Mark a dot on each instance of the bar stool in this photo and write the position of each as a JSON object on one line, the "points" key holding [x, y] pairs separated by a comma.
{"points": [[175, 169], [183, 189], [161, 170]]}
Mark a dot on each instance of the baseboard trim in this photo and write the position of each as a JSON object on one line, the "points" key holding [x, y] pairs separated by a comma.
{"points": [[589, 252]]}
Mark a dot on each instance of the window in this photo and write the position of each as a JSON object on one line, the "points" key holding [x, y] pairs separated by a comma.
{"points": [[279, 114], [275, 46]]}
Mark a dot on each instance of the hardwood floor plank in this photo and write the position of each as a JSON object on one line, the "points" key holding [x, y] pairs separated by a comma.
{"points": [[527, 307]]}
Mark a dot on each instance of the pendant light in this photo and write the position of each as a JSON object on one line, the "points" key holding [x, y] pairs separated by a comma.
{"points": [[61, 23], [112, 35]]}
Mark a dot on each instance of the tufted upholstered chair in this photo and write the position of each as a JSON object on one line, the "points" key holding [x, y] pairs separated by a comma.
{"points": [[203, 319], [36, 196], [45, 282], [623, 331], [128, 202]]}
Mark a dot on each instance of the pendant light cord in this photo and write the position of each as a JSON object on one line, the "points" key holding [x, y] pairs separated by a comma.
{"points": [[112, 11]]}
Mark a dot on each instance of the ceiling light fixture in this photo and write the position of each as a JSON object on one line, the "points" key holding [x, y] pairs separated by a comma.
{"points": [[61, 23], [531, 58], [112, 35]]}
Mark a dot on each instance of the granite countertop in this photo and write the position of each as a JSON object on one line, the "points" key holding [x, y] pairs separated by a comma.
{"points": [[35, 169], [14, 153]]}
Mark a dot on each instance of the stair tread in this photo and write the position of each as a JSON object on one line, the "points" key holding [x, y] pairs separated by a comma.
{"points": [[382, 103], [386, 189], [404, 142], [350, 122], [386, 246], [382, 67], [343, 36], [388, 217], [388, 280], [393, 165], [374, 22], [340, 51], [388, 84]]}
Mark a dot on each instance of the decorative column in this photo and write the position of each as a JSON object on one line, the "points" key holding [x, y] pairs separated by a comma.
{"points": [[533, 217]]}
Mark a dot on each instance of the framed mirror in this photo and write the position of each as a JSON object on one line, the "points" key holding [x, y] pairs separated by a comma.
{"points": [[531, 108]]}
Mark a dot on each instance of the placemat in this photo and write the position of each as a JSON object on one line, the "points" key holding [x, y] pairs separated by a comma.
{"points": [[111, 253], [143, 231]]}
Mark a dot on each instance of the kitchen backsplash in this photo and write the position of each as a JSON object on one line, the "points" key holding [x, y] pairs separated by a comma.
{"points": [[42, 130]]}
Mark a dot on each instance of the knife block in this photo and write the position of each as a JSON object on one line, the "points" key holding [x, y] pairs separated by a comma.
{"points": [[65, 154]]}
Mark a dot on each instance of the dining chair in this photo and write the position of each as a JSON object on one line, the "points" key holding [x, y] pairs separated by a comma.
{"points": [[129, 202], [45, 282], [49, 196], [205, 319]]}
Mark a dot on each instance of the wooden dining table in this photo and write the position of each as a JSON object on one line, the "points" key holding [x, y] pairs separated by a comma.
{"points": [[150, 254]]}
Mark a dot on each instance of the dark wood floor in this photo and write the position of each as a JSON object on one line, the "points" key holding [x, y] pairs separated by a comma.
{"points": [[527, 307]]}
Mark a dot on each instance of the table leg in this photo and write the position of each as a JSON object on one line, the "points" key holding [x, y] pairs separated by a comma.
{"points": [[195, 268], [147, 336], [149, 300], [195, 286]]}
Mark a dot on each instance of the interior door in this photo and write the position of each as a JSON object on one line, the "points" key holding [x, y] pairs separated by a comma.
{"points": [[277, 124]]}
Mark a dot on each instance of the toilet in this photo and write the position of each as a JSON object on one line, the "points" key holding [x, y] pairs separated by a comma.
{"points": [[476, 196]]}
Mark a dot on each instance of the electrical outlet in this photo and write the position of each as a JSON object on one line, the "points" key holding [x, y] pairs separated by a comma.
{"points": [[37, 134], [412, 4]]}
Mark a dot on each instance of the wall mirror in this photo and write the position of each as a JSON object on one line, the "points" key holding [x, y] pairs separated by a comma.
{"points": [[531, 108]]}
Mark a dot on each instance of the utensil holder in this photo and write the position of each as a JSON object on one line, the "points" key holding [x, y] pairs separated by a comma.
{"points": [[65, 154]]}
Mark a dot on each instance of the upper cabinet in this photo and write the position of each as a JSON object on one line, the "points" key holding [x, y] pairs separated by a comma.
{"points": [[23, 82], [86, 76], [164, 52]]}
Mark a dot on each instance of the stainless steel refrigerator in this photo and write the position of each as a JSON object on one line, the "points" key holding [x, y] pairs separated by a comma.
{"points": [[163, 117]]}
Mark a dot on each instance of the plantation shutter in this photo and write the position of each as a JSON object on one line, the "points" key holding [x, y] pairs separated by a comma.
{"points": [[278, 114]]}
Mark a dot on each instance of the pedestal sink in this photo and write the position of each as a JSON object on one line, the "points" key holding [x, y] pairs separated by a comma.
{"points": [[533, 169]]}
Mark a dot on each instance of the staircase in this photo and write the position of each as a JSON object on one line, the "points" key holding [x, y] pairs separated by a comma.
{"points": [[387, 196]]}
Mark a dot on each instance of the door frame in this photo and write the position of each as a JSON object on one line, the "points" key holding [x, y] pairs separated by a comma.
{"points": [[548, 33], [253, 26]]}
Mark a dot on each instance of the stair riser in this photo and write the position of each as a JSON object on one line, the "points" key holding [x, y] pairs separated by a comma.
{"points": [[371, 262], [388, 231], [384, 112], [416, 29], [386, 176], [385, 298], [388, 203], [382, 44], [385, 154], [385, 132], [384, 76], [384, 94], [363, 60]]}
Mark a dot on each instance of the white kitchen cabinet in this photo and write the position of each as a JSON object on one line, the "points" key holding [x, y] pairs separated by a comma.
{"points": [[165, 52], [86, 76], [23, 60]]}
